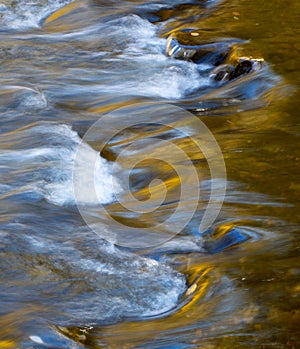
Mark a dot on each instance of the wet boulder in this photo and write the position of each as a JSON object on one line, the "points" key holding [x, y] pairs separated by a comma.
{"points": [[183, 46]]}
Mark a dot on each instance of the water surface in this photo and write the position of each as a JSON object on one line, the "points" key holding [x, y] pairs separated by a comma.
{"points": [[64, 65]]}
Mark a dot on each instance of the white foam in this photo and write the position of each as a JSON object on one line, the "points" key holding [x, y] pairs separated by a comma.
{"points": [[173, 82], [101, 183], [161, 76], [52, 165], [36, 339], [23, 155], [37, 100], [60, 190]]}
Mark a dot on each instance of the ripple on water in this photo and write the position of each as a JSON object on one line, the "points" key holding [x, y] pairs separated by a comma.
{"points": [[43, 164], [24, 14], [21, 98]]}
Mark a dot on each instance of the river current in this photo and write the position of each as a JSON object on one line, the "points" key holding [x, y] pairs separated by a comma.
{"points": [[149, 183]]}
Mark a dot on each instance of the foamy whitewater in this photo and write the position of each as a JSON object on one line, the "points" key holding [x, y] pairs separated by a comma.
{"points": [[53, 163]]}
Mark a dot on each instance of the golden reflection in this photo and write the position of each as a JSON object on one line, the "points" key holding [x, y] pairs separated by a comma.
{"points": [[65, 10], [156, 190], [107, 107], [71, 17], [7, 344], [223, 229], [198, 288]]}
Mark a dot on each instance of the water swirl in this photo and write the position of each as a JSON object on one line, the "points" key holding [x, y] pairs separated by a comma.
{"points": [[164, 153]]}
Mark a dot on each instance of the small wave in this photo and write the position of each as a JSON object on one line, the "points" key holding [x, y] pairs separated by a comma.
{"points": [[103, 285], [44, 161], [21, 97]]}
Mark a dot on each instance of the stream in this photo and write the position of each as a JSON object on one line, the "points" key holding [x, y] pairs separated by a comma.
{"points": [[149, 174]]}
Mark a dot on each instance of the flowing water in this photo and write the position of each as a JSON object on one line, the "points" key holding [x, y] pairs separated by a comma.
{"points": [[108, 171]]}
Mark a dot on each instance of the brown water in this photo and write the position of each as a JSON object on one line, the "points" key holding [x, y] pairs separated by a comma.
{"points": [[234, 285]]}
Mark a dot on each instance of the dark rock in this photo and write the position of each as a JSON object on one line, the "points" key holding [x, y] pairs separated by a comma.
{"points": [[210, 53], [227, 72], [222, 72], [242, 68]]}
